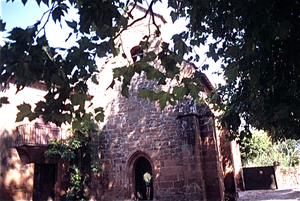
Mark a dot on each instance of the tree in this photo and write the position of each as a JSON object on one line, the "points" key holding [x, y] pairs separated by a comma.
{"points": [[265, 92], [80, 153], [261, 151], [290, 149], [258, 42]]}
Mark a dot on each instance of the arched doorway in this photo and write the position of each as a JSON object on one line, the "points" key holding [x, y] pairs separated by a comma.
{"points": [[141, 167]]}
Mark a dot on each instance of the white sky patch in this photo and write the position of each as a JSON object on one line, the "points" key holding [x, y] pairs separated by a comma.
{"points": [[2, 43], [179, 26]]}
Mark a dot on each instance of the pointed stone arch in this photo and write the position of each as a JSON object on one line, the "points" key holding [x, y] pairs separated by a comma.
{"points": [[134, 162]]}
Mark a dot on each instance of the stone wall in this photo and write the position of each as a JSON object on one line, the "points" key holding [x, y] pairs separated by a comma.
{"points": [[200, 126], [287, 176], [18, 172], [141, 129], [231, 165], [18, 157], [180, 142]]}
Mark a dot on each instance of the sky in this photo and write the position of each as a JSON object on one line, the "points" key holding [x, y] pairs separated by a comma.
{"points": [[14, 14], [17, 16]]}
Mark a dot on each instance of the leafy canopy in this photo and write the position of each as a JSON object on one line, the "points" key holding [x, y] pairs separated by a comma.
{"points": [[261, 151], [257, 41]]}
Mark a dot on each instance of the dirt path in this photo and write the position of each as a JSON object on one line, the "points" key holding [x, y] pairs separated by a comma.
{"points": [[290, 194]]}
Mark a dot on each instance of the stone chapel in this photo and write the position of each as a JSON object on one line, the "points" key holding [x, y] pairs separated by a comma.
{"points": [[187, 156]]}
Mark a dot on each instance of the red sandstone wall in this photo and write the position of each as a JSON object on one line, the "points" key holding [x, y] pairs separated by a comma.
{"points": [[214, 177], [17, 164], [184, 157], [185, 163], [141, 127], [287, 176]]}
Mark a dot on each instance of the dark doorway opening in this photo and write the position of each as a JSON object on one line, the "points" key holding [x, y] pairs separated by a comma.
{"points": [[257, 178], [44, 182], [141, 167]]}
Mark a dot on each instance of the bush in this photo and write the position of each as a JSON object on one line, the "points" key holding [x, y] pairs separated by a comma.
{"points": [[259, 150]]}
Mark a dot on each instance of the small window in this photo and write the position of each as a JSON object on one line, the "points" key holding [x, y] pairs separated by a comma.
{"points": [[136, 53]]}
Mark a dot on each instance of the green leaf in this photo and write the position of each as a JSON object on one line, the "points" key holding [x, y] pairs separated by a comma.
{"points": [[205, 67], [180, 92], [25, 110], [99, 114], [58, 117], [194, 90], [99, 109], [150, 56], [123, 22], [64, 7], [76, 125], [144, 93], [99, 117], [282, 111], [94, 79], [72, 24], [231, 73], [125, 91], [179, 46], [174, 16], [38, 2], [283, 29], [68, 118], [24, 2], [33, 116], [3, 100], [152, 73], [195, 42], [57, 13], [79, 99], [212, 52], [163, 98], [2, 25], [46, 2], [17, 34]]}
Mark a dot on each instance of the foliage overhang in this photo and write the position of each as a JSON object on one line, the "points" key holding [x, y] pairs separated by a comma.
{"points": [[258, 42]]}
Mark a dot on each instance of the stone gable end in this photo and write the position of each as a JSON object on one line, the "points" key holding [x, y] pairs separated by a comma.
{"points": [[179, 145]]}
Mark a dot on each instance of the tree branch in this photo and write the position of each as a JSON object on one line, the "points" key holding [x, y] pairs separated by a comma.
{"points": [[43, 27], [153, 20], [137, 20]]}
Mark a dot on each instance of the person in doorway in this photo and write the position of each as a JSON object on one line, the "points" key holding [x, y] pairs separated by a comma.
{"points": [[147, 179]]}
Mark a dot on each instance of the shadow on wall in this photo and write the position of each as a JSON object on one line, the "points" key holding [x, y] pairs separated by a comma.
{"points": [[16, 177], [228, 170], [5, 155], [133, 124]]}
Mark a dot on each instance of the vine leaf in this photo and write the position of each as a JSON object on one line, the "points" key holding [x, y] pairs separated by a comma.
{"points": [[25, 111], [2, 25]]}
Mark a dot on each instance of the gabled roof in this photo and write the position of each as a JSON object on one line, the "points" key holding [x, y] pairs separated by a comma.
{"points": [[189, 68], [206, 82]]}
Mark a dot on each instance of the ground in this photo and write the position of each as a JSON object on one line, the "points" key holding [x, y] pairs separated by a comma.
{"points": [[289, 194]]}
